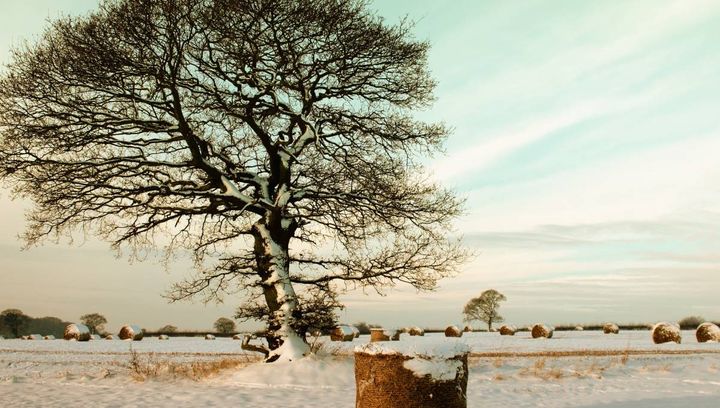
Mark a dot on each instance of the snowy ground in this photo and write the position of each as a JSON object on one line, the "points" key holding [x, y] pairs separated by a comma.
{"points": [[60, 373]]}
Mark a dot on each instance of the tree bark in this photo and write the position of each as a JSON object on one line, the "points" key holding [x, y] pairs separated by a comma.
{"points": [[272, 238]]}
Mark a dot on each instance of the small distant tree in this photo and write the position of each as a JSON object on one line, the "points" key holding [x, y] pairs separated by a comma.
{"points": [[485, 308], [691, 322], [224, 325], [14, 320], [94, 321], [168, 328]]}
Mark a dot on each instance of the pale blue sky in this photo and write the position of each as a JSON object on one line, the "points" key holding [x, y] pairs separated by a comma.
{"points": [[586, 142]]}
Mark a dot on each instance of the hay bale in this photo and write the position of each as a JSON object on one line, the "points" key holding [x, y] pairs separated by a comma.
{"points": [[579, 328], [95, 337], [453, 331], [416, 331], [611, 328], [24, 337], [665, 332], [163, 337], [708, 332], [387, 378], [507, 330], [49, 337], [209, 337], [111, 337], [467, 329], [356, 331], [542, 331], [35, 337], [342, 333], [238, 337], [380, 334], [76, 331], [130, 332]]}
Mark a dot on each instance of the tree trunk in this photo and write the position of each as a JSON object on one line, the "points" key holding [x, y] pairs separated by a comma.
{"points": [[272, 238]]}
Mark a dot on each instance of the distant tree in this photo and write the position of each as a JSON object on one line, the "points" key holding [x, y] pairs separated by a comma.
{"points": [[224, 325], [14, 320], [94, 322], [364, 328], [245, 130], [485, 308], [47, 325], [169, 328], [691, 322]]}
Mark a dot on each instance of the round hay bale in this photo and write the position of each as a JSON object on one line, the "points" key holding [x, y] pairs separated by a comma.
{"points": [[163, 337], [416, 331], [389, 378], [611, 328], [540, 331], [342, 333], [129, 332], [579, 328], [665, 332], [209, 337], [238, 337], [111, 337], [379, 334], [708, 332], [76, 331], [467, 329], [453, 331], [35, 337], [49, 337], [395, 334], [507, 330], [95, 337]]}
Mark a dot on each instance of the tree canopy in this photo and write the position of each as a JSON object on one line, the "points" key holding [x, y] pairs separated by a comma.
{"points": [[14, 320], [274, 139], [94, 321], [224, 325]]}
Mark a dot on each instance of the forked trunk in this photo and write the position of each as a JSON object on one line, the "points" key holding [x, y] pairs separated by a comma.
{"points": [[271, 251]]}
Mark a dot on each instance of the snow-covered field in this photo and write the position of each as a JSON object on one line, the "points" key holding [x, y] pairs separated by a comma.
{"points": [[110, 373]]}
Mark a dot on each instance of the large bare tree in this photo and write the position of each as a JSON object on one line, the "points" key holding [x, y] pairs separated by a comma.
{"points": [[275, 139]]}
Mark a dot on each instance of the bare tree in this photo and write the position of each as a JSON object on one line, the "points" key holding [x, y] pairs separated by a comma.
{"points": [[275, 139], [94, 321], [485, 308]]}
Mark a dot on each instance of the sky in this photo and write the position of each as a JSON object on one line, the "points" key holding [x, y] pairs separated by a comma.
{"points": [[586, 142]]}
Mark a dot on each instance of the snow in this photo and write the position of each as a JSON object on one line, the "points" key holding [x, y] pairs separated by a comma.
{"points": [[417, 347], [293, 348], [437, 368], [60, 373]]}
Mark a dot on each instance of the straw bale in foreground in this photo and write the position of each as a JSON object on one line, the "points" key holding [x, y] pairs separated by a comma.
{"points": [[382, 381]]}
